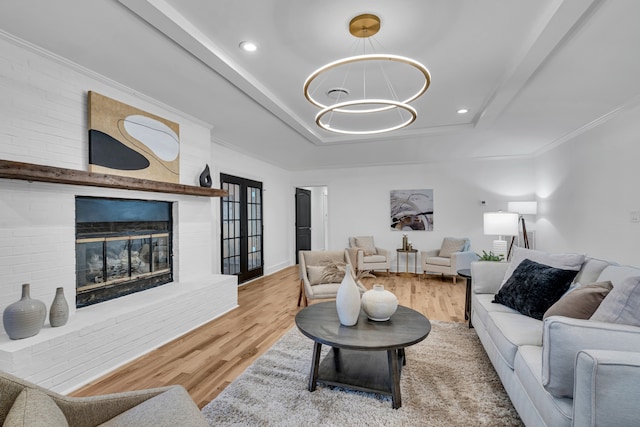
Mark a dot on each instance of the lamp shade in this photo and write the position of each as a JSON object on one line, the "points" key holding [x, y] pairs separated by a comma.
{"points": [[501, 223], [523, 208]]}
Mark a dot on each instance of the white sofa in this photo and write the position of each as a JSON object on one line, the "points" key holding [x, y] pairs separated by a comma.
{"points": [[561, 371]]}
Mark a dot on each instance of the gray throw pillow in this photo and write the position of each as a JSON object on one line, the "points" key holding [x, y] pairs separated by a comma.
{"points": [[622, 305], [580, 303]]}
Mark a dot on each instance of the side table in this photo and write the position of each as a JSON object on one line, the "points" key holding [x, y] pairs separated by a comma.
{"points": [[406, 253], [466, 273]]}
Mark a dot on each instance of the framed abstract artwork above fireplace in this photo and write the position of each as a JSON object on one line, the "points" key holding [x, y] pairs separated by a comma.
{"points": [[127, 141]]}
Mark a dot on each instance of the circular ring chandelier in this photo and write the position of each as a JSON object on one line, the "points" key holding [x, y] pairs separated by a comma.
{"points": [[370, 57], [388, 104], [364, 26]]}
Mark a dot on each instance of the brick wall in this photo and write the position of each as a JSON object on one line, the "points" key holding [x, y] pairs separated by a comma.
{"points": [[43, 120]]}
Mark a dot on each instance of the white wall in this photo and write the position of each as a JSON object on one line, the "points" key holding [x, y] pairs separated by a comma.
{"points": [[359, 199], [587, 188]]}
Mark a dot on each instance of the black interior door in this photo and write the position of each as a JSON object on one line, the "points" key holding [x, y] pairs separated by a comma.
{"points": [[242, 227], [303, 220]]}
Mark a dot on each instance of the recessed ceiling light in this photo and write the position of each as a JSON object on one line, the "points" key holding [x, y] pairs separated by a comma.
{"points": [[463, 111], [248, 46]]}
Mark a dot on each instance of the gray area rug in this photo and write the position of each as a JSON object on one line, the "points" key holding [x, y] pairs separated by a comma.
{"points": [[447, 381]]}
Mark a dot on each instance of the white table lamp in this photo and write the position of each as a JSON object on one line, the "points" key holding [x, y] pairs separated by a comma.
{"points": [[500, 224]]}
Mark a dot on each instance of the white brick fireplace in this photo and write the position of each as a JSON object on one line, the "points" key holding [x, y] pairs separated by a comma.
{"points": [[43, 120]]}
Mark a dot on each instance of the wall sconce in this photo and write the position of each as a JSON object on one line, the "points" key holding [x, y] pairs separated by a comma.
{"points": [[500, 224]]}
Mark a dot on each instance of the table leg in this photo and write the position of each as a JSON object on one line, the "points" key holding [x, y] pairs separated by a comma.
{"points": [[394, 378], [415, 263], [315, 365], [406, 260]]}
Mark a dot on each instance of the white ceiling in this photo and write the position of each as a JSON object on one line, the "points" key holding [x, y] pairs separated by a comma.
{"points": [[533, 73]]}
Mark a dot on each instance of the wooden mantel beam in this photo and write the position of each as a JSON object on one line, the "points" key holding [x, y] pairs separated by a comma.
{"points": [[40, 173]]}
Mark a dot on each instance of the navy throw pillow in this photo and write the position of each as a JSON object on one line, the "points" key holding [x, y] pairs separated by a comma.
{"points": [[534, 287]]}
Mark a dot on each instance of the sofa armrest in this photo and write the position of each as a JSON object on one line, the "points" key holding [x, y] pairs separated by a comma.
{"points": [[564, 337], [487, 276], [604, 385]]}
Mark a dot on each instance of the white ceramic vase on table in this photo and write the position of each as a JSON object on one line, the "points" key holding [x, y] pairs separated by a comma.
{"points": [[379, 304], [348, 300]]}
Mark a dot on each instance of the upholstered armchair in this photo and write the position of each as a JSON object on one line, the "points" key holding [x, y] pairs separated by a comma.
{"points": [[454, 254], [26, 404], [321, 273], [367, 256]]}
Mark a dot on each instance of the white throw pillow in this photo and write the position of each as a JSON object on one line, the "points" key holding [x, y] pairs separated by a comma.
{"points": [[366, 244], [564, 261], [451, 245], [314, 274]]}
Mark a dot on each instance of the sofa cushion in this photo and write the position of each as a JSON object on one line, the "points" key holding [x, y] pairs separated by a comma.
{"points": [[366, 244], [508, 331], [325, 290], [534, 287], [591, 270], [436, 260], [374, 258], [622, 305], [451, 245], [33, 408], [555, 411], [483, 305], [564, 261], [580, 303], [172, 408]]}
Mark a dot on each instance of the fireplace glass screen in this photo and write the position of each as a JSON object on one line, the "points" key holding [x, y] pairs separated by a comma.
{"points": [[122, 246]]}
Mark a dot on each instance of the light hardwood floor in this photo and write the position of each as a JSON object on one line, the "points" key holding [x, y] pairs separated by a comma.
{"points": [[210, 357]]}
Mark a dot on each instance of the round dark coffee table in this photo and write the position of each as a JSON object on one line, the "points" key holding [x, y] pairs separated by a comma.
{"points": [[367, 356]]}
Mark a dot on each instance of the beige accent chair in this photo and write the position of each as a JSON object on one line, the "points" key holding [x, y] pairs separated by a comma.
{"points": [[316, 280], [367, 256], [24, 403], [454, 254]]}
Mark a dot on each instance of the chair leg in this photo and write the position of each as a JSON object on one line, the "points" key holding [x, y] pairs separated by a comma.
{"points": [[301, 294]]}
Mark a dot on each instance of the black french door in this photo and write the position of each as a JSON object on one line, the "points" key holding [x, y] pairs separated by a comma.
{"points": [[303, 220], [242, 227]]}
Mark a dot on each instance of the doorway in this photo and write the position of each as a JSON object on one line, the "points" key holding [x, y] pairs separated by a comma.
{"points": [[311, 219], [242, 228]]}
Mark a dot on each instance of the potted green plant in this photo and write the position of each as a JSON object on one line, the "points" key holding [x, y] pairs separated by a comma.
{"points": [[490, 256]]}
